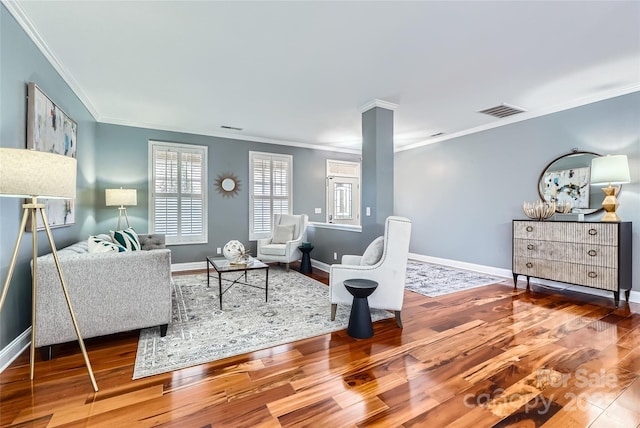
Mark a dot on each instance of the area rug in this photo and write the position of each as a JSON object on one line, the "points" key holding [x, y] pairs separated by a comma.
{"points": [[200, 332], [436, 280]]}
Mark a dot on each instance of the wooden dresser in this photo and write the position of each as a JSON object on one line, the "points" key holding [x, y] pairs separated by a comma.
{"points": [[591, 254]]}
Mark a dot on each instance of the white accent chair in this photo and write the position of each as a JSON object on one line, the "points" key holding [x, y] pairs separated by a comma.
{"points": [[284, 250], [390, 271]]}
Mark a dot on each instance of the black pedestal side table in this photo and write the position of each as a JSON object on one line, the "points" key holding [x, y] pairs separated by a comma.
{"points": [[360, 326], [305, 263]]}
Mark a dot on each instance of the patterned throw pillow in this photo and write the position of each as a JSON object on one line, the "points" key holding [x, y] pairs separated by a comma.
{"points": [[97, 245], [128, 238]]}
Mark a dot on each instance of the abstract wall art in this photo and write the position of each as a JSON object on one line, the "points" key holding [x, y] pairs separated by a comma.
{"points": [[50, 129]]}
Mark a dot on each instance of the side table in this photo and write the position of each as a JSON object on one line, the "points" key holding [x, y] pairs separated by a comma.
{"points": [[360, 326], [305, 263]]}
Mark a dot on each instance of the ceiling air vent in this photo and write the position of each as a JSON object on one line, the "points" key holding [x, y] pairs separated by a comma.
{"points": [[503, 110]]}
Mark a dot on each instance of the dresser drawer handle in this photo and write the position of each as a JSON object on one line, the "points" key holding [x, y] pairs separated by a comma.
{"points": [[530, 247], [529, 229], [593, 232], [529, 265], [592, 274], [592, 253]]}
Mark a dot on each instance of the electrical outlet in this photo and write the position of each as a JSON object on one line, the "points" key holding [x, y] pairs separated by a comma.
{"points": [[218, 250], [335, 256], [318, 210], [368, 211]]}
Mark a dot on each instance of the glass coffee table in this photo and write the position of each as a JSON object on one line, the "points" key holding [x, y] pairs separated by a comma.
{"points": [[222, 265]]}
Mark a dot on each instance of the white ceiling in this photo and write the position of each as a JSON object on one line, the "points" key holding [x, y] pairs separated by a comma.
{"points": [[299, 72]]}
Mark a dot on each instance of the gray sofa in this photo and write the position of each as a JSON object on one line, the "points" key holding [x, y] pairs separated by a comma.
{"points": [[110, 292]]}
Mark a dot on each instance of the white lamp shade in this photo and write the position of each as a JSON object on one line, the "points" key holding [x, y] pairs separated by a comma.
{"points": [[120, 197], [31, 173], [612, 169]]}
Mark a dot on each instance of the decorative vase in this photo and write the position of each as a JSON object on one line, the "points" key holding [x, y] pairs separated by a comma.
{"points": [[233, 251], [539, 210]]}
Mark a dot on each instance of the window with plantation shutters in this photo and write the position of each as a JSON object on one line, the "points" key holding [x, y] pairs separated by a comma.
{"points": [[178, 192], [269, 192]]}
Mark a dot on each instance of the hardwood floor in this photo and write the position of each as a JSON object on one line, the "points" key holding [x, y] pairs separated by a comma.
{"points": [[486, 357]]}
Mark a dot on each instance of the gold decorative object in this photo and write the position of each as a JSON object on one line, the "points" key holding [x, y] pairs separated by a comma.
{"points": [[539, 210], [610, 169], [564, 208]]}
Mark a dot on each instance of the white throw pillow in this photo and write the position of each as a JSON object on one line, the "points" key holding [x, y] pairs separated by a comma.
{"points": [[373, 253], [97, 245], [104, 237], [282, 234]]}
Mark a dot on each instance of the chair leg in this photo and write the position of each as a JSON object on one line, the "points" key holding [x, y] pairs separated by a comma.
{"points": [[334, 307], [287, 267], [398, 319]]}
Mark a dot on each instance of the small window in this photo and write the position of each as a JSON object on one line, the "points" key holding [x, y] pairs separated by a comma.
{"points": [[343, 192], [178, 192], [269, 192]]}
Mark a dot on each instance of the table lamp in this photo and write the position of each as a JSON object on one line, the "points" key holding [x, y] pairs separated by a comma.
{"points": [[121, 197], [610, 169], [33, 174]]}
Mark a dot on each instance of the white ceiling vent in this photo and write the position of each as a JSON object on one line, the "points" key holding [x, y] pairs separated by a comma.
{"points": [[503, 110]]}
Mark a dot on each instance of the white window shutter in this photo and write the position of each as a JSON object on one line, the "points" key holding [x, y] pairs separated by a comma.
{"points": [[178, 203], [270, 191]]}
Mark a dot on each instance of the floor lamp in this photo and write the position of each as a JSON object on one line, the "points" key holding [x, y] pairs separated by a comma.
{"points": [[33, 174], [122, 197]]}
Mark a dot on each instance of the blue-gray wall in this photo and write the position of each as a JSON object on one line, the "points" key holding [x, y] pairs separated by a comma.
{"points": [[21, 62], [122, 160], [463, 193]]}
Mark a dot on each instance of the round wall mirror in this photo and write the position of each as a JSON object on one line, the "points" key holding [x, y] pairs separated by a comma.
{"points": [[566, 180], [228, 184]]}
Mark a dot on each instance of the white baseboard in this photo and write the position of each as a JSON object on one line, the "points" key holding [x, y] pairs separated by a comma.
{"points": [[13, 350], [320, 265], [181, 267], [506, 273], [489, 270]]}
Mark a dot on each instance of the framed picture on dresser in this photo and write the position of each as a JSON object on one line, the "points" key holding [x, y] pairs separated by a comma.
{"points": [[50, 129]]}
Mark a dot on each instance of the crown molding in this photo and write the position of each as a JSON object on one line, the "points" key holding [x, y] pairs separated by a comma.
{"points": [[378, 103], [23, 20], [579, 102], [227, 135]]}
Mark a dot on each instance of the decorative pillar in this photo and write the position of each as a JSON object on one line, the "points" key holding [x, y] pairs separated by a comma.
{"points": [[377, 168]]}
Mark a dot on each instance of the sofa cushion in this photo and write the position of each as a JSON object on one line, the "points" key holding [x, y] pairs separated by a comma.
{"points": [[152, 241], [282, 233], [274, 249], [97, 245], [373, 253], [128, 238]]}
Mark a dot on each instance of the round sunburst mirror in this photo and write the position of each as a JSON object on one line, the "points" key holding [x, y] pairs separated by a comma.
{"points": [[228, 184]]}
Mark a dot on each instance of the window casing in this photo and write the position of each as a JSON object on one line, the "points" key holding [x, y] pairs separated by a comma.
{"points": [[178, 192], [343, 192], [269, 191]]}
